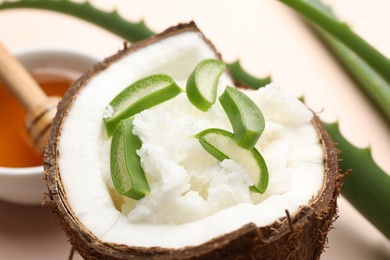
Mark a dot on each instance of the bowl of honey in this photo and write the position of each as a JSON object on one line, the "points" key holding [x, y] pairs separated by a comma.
{"points": [[21, 171]]}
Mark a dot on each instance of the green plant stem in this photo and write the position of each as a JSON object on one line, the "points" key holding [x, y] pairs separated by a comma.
{"points": [[367, 188], [344, 34], [110, 21]]}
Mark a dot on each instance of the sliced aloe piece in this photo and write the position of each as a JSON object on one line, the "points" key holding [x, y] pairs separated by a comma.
{"points": [[144, 93], [222, 145], [244, 115], [126, 171], [203, 82]]}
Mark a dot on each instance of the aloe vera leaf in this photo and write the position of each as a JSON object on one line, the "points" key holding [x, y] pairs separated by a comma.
{"points": [[110, 21], [244, 115], [202, 84], [114, 23], [127, 174], [221, 144], [373, 85], [344, 34], [142, 94], [366, 78], [367, 188], [242, 78]]}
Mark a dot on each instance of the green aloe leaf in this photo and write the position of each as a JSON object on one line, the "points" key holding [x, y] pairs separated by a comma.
{"points": [[126, 171], [245, 117], [369, 81], [368, 186], [341, 31], [110, 21], [222, 145], [142, 94], [244, 79], [203, 82], [114, 23]]}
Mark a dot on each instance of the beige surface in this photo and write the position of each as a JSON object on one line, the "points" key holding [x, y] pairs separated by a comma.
{"points": [[268, 38]]}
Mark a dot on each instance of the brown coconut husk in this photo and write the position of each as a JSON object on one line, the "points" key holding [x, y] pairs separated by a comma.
{"points": [[299, 236]]}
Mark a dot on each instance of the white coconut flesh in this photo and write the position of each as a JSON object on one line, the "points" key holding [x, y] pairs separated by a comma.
{"points": [[194, 197]]}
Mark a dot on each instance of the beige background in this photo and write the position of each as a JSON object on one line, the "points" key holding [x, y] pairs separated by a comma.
{"points": [[268, 38]]}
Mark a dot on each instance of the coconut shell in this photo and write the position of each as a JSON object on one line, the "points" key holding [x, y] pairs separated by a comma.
{"points": [[299, 236]]}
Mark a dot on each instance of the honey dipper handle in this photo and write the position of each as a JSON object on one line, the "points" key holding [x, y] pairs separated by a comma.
{"points": [[19, 81], [40, 108]]}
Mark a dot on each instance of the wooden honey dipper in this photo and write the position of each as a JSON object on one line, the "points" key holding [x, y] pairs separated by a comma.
{"points": [[40, 108]]}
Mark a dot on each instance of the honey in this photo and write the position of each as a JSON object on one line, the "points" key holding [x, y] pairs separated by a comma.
{"points": [[15, 147]]}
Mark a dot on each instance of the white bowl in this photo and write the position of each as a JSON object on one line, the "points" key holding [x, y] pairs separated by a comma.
{"points": [[26, 185]]}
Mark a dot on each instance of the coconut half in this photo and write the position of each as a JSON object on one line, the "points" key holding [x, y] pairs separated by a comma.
{"points": [[289, 222]]}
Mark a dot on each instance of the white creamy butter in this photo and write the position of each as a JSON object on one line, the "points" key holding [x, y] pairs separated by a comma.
{"points": [[187, 183]]}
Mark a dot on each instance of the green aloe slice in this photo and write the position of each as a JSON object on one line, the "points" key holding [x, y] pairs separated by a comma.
{"points": [[126, 171], [144, 93], [203, 82], [222, 145], [246, 118]]}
